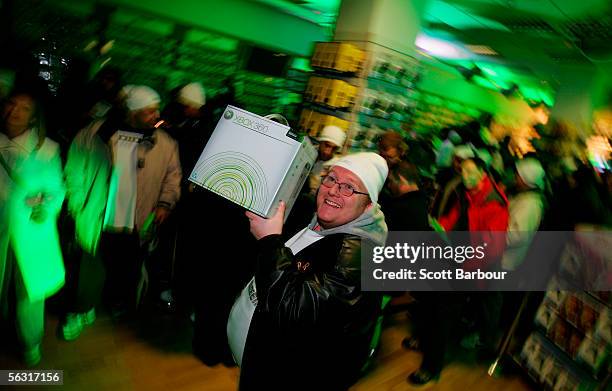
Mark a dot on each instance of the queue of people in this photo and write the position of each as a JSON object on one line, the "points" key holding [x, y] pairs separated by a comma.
{"points": [[307, 320]]}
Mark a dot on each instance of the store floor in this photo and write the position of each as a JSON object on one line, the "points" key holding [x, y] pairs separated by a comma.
{"points": [[153, 353]]}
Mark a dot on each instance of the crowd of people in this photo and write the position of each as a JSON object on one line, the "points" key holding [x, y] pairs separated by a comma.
{"points": [[113, 196]]}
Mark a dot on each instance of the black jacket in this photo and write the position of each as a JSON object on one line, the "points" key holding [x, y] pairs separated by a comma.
{"points": [[313, 324], [407, 212]]}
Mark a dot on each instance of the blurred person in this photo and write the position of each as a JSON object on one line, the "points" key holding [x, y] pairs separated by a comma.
{"points": [[526, 210], [114, 216], [481, 209], [182, 118], [403, 202], [309, 311], [392, 148], [102, 94], [331, 140], [183, 121], [579, 197], [445, 154], [31, 195], [448, 192]]}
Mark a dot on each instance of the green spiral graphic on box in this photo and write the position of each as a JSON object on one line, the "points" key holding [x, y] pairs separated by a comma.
{"points": [[235, 176]]}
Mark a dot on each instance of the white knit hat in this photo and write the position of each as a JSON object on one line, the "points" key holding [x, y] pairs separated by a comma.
{"points": [[192, 95], [139, 97], [334, 135], [370, 167], [531, 172]]}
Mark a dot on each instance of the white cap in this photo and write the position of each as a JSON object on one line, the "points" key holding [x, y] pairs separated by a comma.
{"points": [[192, 95], [370, 167], [334, 135], [531, 172], [140, 97]]}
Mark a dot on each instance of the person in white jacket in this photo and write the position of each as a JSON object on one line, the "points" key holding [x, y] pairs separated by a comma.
{"points": [[525, 211], [122, 177], [31, 195]]}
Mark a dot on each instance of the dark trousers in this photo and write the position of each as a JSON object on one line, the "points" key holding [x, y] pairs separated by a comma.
{"points": [[437, 317], [488, 306], [123, 261], [86, 276]]}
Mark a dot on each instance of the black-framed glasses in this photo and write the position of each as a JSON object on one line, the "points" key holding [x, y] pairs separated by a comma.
{"points": [[345, 189]]}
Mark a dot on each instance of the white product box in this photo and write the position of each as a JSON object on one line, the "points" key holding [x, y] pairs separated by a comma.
{"points": [[254, 162]]}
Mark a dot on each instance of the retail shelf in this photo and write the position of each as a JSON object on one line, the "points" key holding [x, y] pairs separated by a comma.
{"points": [[350, 78], [327, 110], [388, 86]]}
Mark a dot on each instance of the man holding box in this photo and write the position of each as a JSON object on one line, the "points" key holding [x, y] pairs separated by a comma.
{"points": [[312, 325]]}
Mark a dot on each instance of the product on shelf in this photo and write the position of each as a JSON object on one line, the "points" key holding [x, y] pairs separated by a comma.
{"points": [[342, 57], [551, 370], [593, 353], [334, 93], [566, 382], [603, 328], [587, 318], [572, 308], [303, 123], [545, 316], [315, 88], [339, 94], [396, 69]]}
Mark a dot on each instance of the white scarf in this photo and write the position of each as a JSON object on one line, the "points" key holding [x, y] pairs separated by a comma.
{"points": [[121, 206]]}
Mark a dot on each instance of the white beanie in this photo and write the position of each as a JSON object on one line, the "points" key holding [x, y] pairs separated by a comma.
{"points": [[139, 97], [531, 172], [192, 95], [333, 134], [370, 167]]}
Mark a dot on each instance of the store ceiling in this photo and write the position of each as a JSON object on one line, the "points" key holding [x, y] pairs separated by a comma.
{"points": [[565, 31], [526, 33]]}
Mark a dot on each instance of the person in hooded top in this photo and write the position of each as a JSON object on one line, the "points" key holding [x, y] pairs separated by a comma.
{"points": [[526, 209], [312, 325], [31, 195], [123, 179], [331, 139], [182, 118]]}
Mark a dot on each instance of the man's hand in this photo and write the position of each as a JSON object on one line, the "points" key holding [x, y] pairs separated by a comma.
{"points": [[161, 214], [39, 214], [261, 227], [36, 202]]}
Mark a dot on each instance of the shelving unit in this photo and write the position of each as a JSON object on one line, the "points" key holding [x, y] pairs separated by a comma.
{"points": [[570, 344], [387, 98]]}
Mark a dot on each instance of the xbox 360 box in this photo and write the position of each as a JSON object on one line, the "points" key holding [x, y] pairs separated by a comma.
{"points": [[254, 162]]}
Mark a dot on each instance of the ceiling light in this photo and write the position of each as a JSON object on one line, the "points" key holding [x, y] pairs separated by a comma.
{"points": [[439, 47]]}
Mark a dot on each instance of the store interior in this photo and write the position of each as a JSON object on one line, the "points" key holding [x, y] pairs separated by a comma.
{"points": [[541, 71]]}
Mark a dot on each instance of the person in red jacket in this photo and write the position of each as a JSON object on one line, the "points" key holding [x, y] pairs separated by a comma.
{"points": [[482, 209]]}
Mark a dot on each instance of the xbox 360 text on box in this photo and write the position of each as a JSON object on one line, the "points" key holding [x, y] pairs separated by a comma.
{"points": [[254, 162]]}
